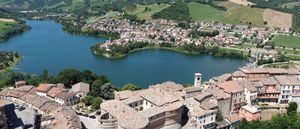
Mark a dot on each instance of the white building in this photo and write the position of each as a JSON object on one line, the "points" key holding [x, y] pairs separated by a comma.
{"points": [[289, 89]]}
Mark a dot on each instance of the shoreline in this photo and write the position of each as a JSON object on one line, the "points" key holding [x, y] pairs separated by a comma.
{"points": [[156, 47], [11, 65]]}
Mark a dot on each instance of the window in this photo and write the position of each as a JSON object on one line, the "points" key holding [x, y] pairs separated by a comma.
{"points": [[212, 118]]}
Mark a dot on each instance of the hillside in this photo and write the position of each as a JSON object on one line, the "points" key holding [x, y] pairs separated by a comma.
{"points": [[30, 4]]}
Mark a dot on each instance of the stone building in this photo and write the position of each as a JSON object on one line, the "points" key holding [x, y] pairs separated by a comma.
{"points": [[160, 106]]}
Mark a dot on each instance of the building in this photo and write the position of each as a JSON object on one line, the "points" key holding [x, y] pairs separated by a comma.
{"points": [[42, 89], [222, 98], [20, 83], [236, 92], [202, 111], [81, 89], [156, 107], [197, 79], [66, 98], [289, 89], [250, 113], [238, 75], [268, 90], [192, 91], [250, 91], [65, 117], [234, 120]]}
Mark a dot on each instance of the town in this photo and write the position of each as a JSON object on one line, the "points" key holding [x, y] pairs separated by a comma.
{"points": [[220, 103], [161, 31]]}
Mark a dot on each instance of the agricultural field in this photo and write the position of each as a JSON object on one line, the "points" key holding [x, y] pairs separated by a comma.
{"points": [[206, 13], [108, 14], [278, 19], [141, 12], [287, 41], [291, 5], [235, 13], [76, 6]]}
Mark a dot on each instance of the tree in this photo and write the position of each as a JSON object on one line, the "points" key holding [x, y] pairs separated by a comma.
{"points": [[96, 103], [292, 109], [96, 88], [131, 87], [69, 77], [219, 116], [107, 91], [88, 77], [87, 100]]}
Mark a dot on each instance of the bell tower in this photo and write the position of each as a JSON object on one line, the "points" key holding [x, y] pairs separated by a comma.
{"points": [[197, 79]]}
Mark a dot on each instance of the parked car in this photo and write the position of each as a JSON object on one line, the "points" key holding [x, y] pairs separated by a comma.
{"points": [[93, 117], [10, 123], [26, 126], [78, 113], [86, 115], [21, 108]]}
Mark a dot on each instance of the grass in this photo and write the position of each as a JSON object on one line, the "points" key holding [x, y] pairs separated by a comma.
{"points": [[108, 14], [291, 4], [293, 57], [287, 41], [206, 13], [285, 65], [142, 14], [235, 13], [5, 27], [76, 6]]}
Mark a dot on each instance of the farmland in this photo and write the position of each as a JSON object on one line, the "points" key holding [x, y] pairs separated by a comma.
{"points": [[206, 13], [143, 13], [287, 41], [234, 14]]}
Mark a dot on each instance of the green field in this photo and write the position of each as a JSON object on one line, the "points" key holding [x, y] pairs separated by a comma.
{"points": [[142, 14], [235, 13], [5, 27], [206, 13], [291, 4], [287, 41], [76, 6]]}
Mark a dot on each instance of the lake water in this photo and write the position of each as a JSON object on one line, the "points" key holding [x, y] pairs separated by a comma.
{"points": [[46, 46]]}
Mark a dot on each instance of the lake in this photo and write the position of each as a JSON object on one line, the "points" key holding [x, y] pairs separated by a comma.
{"points": [[46, 46]]}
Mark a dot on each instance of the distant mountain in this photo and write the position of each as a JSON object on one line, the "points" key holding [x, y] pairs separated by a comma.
{"points": [[30, 4]]}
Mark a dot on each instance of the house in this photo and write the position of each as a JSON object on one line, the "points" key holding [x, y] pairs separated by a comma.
{"points": [[20, 83], [202, 111], [268, 90], [54, 91], [27, 89], [155, 107], [81, 89], [236, 92], [250, 91], [250, 113], [222, 98], [192, 91], [238, 75], [66, 98], [42, 89], [289, 89], [234, 120]]}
